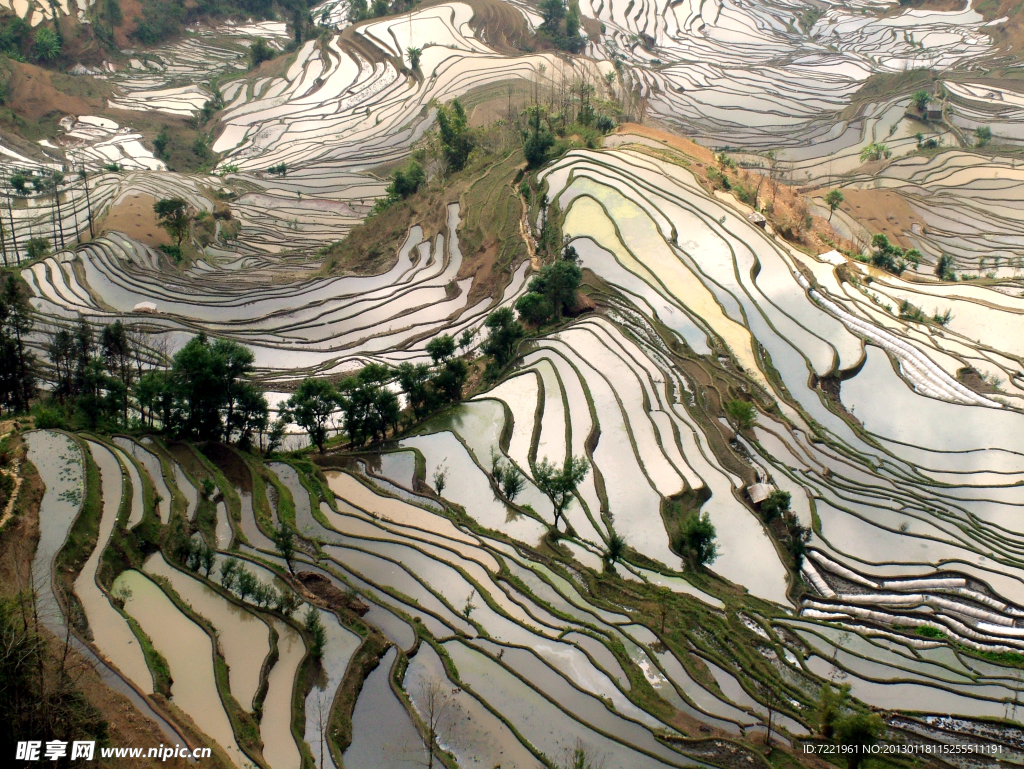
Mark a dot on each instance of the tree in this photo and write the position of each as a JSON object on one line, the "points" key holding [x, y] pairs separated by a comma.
{"points": [[834, 199], [559, 485], [317, 633], [538, 140], [891, 257], [616, 549], [247, 583], [259, 52], [161, 143], [742, 414], [46, 44], [17, 363], [440, 479], [859, 732], [19, 181], [229, 573], [414, 57], [441, 348], [174, 216], [436, 703], [776, 505], [312, 406], [112, 10], [405, 181], [504, 333], [831, 704], [558, 283], [874, 151], [920, 99], [534, 308], [37, 248], [944, 268], [984, 134], [414, 381], [456, 139], [696, 540], [512, 482], [284, 541]]}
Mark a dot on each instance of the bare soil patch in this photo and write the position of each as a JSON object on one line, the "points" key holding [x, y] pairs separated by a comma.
{"points": [[134, 217], [882, 211], [32, 94]]}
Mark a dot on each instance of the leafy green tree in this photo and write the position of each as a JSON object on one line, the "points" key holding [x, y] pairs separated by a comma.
{"points": [[742, 414], [37, 248], [984, 134], [113, 14], [312, 406], [414, 381], [920, 99], [875, 151], [17, 363], [512, 482], [441, 348], [229, 573], [538, 141], [317, 633], [616, 549], [504, 333], [414, 55], [284, 541], [154, 396], [776, 505], [456, 138], [831, 704], [558, 283], [46, 44], [247, 583], [559, 484], [945, 267], [405, 181], [859, 732], [834, 199], [174, 216], [369, 408], [259, 52], [19, 182], [534, 308], [891, 257], [696, 540]]}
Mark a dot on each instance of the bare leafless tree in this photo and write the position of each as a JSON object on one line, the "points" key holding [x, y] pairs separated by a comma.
{"points": [[436, 703]]}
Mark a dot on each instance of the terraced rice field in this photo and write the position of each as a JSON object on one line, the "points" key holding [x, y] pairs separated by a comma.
{"points": [[455, 617]]}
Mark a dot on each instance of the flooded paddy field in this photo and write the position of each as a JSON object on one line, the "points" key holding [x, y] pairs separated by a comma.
{"points": [[459, 620]]}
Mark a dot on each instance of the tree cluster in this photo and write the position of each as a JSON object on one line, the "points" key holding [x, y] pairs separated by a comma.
{"points": [[17, 363], [367, 408], [561, 25], [207, 394], [456, 137], [546, 133], [430, 387], [405, 181], [237, 579], [93, 378], [891, 257], [838, 722], [19, 42], [795, 536], [552, 291]]}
